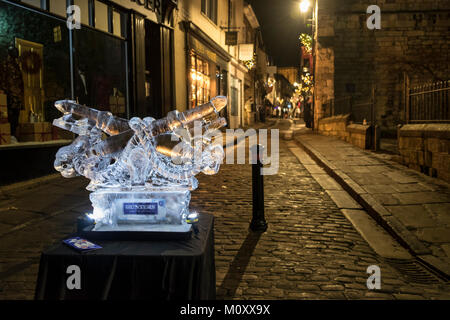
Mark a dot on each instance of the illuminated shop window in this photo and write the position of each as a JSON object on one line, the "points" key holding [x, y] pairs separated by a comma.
{"points": [[84, 10], [57, 36], [101, 16], [58, 7], [200, 81], [117, 24]]}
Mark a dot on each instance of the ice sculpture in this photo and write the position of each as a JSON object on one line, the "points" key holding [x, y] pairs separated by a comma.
{"points": [[141, 170]]}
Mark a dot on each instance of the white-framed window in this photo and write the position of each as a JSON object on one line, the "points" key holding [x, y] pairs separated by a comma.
{"points": [[84, 10], [117, 23], [101, 16], [209, 8], [58, 7]]}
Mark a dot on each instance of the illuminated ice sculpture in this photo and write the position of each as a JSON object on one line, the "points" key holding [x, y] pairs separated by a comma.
{"points": [[141, 170]]}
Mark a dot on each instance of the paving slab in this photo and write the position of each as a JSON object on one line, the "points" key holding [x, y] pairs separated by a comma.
{"points": [[301, 155], [446, 248], [326, 182], [412, 187], [376, 237], [441, 211], [379, 188], [414, 216], [421, 197], [385, 198], [343, 200], [434, 235], [314, 168]]}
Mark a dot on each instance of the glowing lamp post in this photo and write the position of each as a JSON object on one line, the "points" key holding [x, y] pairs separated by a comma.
{"points": [[304, 6]]}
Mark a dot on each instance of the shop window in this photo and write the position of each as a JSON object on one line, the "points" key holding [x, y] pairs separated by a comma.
{"points": [[209, 8], [200, 81], [57, 35], [99, 71], [58, 7], [84, 10], [101, 16], [117, 24], [34, 73], [234, 101]]}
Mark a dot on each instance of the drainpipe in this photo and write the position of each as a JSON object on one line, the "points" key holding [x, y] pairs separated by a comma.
{"points": [[313, 24], [254, 80]]}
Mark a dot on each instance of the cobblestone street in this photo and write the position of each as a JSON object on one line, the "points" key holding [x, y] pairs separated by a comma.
{"points": [[310, 250]]}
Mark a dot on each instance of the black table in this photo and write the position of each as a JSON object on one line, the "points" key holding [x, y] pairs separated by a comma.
{"points": [[157, 270]]}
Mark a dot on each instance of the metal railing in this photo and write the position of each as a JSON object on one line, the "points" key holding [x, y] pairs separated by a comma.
{"points": [[360, 109], [428, 103]]}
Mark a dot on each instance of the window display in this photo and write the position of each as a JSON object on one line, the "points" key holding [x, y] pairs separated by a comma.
{"points": [[35, 69], [200, 81], [99, 70]]}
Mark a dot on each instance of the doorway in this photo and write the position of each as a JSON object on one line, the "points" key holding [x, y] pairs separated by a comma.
{"points": [[31, 56], [158, 70]]}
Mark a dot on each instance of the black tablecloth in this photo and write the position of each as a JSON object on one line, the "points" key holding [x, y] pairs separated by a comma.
{"points": [[164, 270]]}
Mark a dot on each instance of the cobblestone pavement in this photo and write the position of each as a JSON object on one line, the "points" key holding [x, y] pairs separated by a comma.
{"points": [[32, 219], [310, 250]]}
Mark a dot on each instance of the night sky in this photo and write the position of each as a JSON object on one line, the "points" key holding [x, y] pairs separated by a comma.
{"points": [[281, 24]]}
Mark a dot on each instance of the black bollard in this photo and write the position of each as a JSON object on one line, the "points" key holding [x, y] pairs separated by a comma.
{"points": [[258, 222]]}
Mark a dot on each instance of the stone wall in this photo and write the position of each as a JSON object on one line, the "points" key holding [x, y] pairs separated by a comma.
{"points": [[413, 41], [334, 126], [339, 126], [324, 58], [359, 135], [426, 148]]}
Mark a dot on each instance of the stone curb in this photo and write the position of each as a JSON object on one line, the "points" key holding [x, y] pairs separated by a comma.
{"points": [[376, 210]]}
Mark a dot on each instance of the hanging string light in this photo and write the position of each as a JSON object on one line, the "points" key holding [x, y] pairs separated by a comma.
{"points": [[306, 41]]}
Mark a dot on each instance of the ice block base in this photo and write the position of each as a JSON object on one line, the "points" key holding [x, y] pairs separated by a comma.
{"points": [[141, 210], [137, 233]]}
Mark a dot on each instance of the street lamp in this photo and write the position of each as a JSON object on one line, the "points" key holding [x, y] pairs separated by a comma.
{"points": [[304, 6]]}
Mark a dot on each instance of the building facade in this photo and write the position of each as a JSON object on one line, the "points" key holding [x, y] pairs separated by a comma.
{"points": [[119, 58], [207, 63], [129, 57], [290, 73]]}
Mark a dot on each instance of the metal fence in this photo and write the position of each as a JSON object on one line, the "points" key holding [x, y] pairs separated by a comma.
{"points": [[428, 103], [361, 109]]}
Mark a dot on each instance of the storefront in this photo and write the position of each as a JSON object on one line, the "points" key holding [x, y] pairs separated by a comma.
{"points": [[119, 60], [207, 67]]}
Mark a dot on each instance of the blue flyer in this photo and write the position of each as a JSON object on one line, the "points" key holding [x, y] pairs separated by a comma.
{"points": [[80, 244]]}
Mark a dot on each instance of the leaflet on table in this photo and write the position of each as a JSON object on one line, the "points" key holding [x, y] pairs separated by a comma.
{"points": [[80, 244]]}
